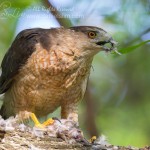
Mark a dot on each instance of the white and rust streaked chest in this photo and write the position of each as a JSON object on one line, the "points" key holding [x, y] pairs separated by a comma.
{"points": [[56, 69], [49, 78]]}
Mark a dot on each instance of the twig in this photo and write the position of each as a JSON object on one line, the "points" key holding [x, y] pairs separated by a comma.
{"points": [[131, 41]]}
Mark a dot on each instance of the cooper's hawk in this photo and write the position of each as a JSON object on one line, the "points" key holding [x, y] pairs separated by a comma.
{"points": [[48, 68]]}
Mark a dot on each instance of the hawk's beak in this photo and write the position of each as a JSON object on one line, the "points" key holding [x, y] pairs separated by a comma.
{"points": [[107, 45]]}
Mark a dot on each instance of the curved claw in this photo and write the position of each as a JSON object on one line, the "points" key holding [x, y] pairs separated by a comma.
{"points": [[55, 118]]}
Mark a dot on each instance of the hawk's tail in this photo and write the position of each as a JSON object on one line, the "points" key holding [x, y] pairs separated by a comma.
{"points": [[7, 109], [2, 112]]}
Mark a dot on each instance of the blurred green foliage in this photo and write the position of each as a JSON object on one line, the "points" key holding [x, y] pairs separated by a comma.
{"points": [[119, 85]]}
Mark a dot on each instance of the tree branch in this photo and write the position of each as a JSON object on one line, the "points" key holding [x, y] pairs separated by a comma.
{"points": [[19, 140], [62, 20], [90, 112]]}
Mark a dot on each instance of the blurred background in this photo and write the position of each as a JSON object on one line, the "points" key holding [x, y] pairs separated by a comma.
{"points": [[117, 101]]}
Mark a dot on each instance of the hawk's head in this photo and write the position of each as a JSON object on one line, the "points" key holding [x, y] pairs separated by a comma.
{"points": [[94, 39]]}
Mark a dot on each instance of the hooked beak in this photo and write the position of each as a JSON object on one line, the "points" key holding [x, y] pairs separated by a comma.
{"points": [[107, 46]]}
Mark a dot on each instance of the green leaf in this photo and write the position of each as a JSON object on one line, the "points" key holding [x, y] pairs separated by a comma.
{"points": [[131, 48]]}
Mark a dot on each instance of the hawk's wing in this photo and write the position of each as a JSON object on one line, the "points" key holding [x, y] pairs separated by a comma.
{"points": [[19, 52]]}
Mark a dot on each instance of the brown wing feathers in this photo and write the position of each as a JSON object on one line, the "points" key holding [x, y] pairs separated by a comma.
{"points": [[19, 52]]}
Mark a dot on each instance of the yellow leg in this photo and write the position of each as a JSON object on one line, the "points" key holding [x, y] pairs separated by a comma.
{"points": [[38, 124]]}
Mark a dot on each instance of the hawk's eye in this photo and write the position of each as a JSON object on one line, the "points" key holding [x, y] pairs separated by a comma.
{"points": [[92, 34]]}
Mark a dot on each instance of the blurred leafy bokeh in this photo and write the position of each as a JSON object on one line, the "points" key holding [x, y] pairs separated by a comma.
{"points": [[118, 91]]}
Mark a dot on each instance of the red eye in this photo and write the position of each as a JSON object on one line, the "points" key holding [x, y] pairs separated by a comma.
{"points": [[92, 34]]}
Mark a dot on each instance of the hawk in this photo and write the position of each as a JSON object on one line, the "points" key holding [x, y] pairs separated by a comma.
{"points": [[49, 68]]}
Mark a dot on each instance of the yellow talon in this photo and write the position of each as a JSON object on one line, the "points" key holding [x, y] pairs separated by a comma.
{"points": [[48, 122], [92, 139], [38, 124]]}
